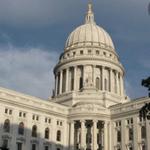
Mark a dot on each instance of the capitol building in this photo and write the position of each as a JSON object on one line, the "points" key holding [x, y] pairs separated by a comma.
{"points": [[89, 109]]}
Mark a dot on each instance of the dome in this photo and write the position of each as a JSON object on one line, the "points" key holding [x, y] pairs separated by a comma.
{"points": [[89, 34]]}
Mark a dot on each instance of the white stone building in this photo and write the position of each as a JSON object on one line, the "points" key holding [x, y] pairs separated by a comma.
{"points": [[89, 109]]}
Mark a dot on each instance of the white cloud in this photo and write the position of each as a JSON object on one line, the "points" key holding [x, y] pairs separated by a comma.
{"points": [[27, 70]]}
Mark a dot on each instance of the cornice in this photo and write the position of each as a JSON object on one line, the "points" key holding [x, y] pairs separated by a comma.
{"points": [[72, 60]]}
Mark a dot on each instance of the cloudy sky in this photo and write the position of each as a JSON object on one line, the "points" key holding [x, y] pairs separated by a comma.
{"points": [[33, 33]]}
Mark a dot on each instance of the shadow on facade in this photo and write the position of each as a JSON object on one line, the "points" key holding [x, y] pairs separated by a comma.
{"points": [[18, 137]]}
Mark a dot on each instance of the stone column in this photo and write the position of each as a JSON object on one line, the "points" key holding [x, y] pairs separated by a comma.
{"points": [[135, 133], [123, 135], [147, 134], [60, 85], [72, 135], [83, 135], [67, 79], [102, 77], [117, 83], [94, 134], [105, 135], [122, 85], [94, 79], [56, 84], [75, 78], [110, 81], [109, 136]]}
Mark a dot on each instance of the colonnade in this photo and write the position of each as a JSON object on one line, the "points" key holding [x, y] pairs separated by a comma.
{"points": [[89, 135], [73, 78]]}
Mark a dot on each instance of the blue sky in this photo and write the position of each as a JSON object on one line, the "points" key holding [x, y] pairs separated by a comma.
{"points": [[33, 34]]}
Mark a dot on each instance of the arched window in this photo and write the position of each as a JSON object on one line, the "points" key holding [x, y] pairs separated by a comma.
{"points": [[6, 125], [81, 83], [58, 135], [34, 131], [47, 133], [98, 83], [21, 128], [106, 86]]}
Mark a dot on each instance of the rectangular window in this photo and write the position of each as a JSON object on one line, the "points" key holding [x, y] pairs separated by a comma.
{"points": [[130, 134], [24, 115], [20, 114], [33, 146], [6, 111], [19, 146], [10, 112], [89, 51], [5, 143], [118, 136], [46, 148]]}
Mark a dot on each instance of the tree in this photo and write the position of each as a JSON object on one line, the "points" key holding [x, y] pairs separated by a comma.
{"points": [[146, 83], [144, 112]]}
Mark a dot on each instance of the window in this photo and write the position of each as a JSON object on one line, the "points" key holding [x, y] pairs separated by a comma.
{"points": [[58, 135], [72, 79], [6, 110], [57, 122], [143, 147], [81, 52], [22, 114], [64, 81], [47, 133], [19, 146], [130, 148], [106, 86], [118, 136], [33, 146], [21, 129], [34, 131], [104, 53], [58, 84], [46, 148], [81, 83], [98, 83], [143, 132], [6, 125], [45, 120], [130, 134], [74, 53], [97, 52], [35, 117], [89, 51], [5, 143], [10, 112]]}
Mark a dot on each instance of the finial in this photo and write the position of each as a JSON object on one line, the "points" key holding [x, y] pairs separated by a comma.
{"points": [[90, 15]]}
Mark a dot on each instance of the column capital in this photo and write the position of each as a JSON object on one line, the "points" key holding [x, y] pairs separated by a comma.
{"points": [[95, 120], [82, 121]]}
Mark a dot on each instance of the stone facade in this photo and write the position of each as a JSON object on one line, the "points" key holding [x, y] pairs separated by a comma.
{"points": [[89, 109]]}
